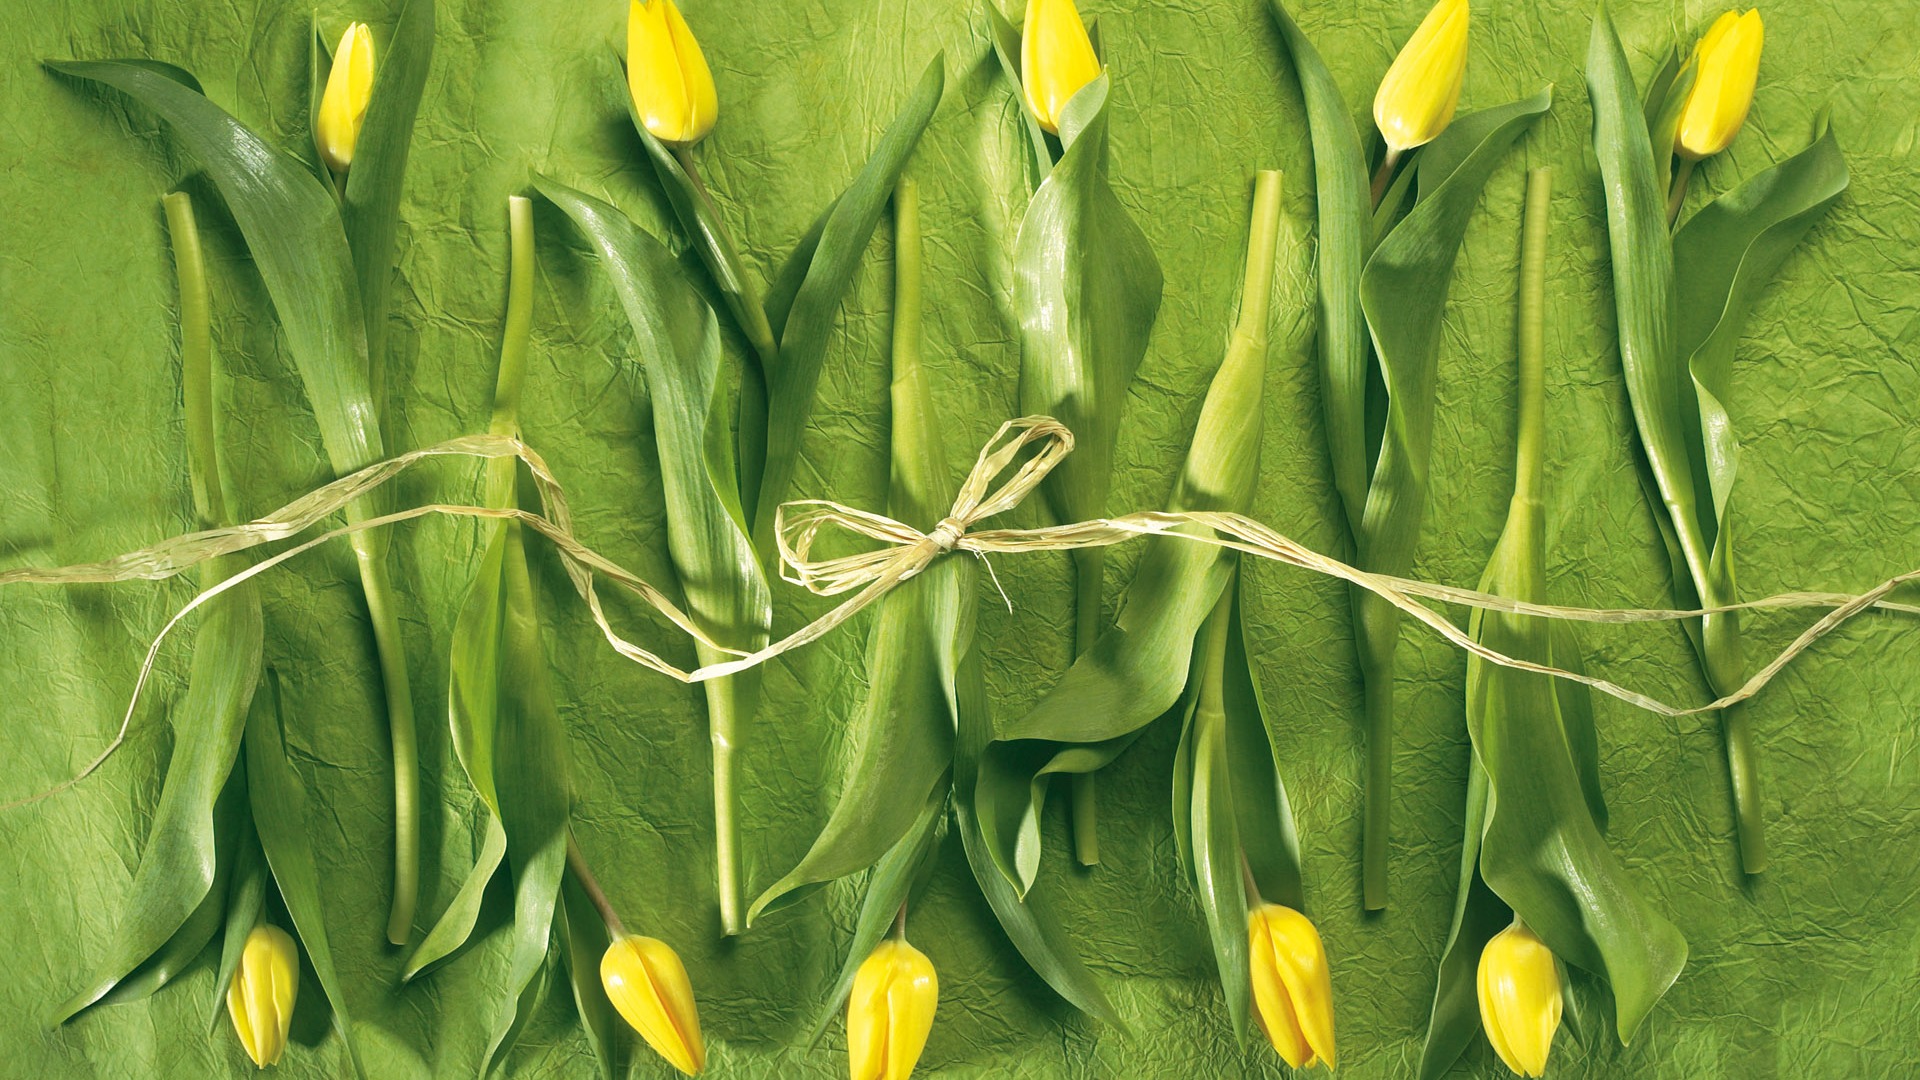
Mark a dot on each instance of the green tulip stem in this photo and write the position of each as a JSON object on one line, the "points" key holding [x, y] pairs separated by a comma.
{"points": [[1677, 194], [751, 313], [1384, 175], [381, 613], [577, 862], [899, 931], [196, 361], [514, 337], [1531, 437], [1089, 573]]}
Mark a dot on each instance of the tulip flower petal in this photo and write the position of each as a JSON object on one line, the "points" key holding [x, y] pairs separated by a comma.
{"points": [[648, 984], [343, 105], [1727, 63], [1292, 985], [1057, 59], [1421, 91], [1520, 1004]]}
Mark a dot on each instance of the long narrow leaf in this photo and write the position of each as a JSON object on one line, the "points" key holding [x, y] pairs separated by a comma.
{"points": [[370, 205], [279, 802]]}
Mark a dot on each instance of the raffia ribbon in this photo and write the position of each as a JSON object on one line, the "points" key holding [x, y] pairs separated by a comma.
{"points": [[904, 551]]}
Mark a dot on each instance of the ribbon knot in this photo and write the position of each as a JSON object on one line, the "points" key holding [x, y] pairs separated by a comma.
{"points": [[906, 550]]}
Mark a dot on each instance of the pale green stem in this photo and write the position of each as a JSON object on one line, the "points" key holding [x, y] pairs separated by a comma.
{"points": [[1677, 194], [1531, 438], [370, 553], [196, 361], [726, 705], [514, 338]]}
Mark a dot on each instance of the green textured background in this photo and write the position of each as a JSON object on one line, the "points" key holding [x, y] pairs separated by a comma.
{"points": [[1811, 971]]}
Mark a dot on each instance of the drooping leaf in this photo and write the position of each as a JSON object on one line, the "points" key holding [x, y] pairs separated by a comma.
{"points": [[246, 899], [1006, 46], [279, 801], [584, 939], [1478, 914]]}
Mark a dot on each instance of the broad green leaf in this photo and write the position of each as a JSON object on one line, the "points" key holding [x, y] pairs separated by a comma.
{"points": [[1266, 828], [679, 342], [1136, 670], [1723, 259], [279, 802], [370, 203], [293, 231], [807, 325], [178, 867], [1542, 851], [1341, 199], [535, 792], [246, 898], [1086, 291], [1658, 386], [1025, 920], [1212, 817]]}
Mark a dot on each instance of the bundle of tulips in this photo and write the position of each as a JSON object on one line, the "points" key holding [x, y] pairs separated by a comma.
{"points": [[1545, 910]]}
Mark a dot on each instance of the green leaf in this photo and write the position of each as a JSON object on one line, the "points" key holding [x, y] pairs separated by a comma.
{"points": [[293, 232], [279, 802], [535, 792], [889, 887], [370, 204], [1136, 670], [1086, 291], [1341, 199], [807, 325], [1212, 817], [1267, 834], [174, 906]]}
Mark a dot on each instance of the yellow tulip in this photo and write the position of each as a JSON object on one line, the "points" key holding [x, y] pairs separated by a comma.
{"points": [[1417, 99], [1056, 59], [260, 998], [667, 75], [1726, 66], [647, 983], [890, 1012], [343, 105], [1519, 987], [1292, 987]]}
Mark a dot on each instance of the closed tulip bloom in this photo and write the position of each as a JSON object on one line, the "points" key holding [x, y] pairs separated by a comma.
{"points": [[1056, 59], [343, 104], [1292, 986], [1726, 67], [260, 998], [1418, 97], [648, 984], [667, 74], [1520, 1004], [890, 1012]]}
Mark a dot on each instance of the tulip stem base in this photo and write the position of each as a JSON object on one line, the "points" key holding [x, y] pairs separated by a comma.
{"points": [[1749, 822], [1677, 194], [1384, 175], [577, 862]]}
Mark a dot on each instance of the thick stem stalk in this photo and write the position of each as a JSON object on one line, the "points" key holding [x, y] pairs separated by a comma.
{"points": [[1384, 175], [381, 612], [196, 361], [1378, 629], [729, 699], [1531, 438]]}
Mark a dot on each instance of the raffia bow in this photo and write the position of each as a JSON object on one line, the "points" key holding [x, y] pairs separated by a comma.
{"points": [[904, 552]]}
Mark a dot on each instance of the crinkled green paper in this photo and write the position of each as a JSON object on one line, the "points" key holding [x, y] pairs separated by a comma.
{"points": [[1808, 971]]}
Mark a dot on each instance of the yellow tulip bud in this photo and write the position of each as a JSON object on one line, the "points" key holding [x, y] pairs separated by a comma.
{"points": [[646, 981], [890, 1012], [1417, 99], [667, 75], [1726, 66], [1056, 59], [1520, 1003], [343, 105], [260, 998], [1292, 985]]}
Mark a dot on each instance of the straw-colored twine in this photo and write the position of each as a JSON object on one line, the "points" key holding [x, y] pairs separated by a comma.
{"points": [[903, 552]]}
